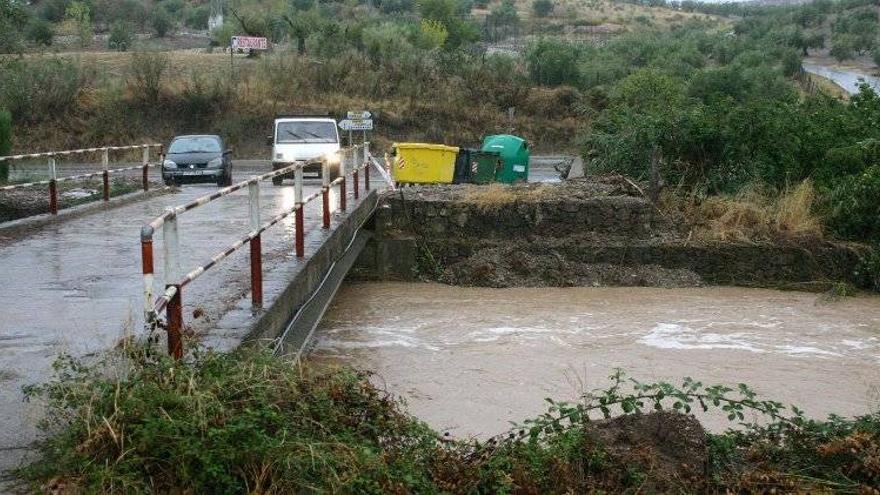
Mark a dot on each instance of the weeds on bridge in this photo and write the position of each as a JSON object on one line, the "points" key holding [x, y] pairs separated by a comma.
{"points": [[251, 422]]}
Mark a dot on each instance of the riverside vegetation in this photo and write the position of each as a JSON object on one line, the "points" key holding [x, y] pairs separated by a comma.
{"points": [[251, 422]]}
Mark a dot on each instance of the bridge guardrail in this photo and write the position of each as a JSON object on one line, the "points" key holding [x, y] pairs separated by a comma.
{"points": [[105, 172], [171, 299]]}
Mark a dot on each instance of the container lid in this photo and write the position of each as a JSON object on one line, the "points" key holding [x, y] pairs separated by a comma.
{"points": [[426, 146]]}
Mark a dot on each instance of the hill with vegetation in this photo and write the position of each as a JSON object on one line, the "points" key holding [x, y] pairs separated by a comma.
{"points": [[710, 96]]}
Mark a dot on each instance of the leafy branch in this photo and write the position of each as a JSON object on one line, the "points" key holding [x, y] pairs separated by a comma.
{"points": [[644, 397]]}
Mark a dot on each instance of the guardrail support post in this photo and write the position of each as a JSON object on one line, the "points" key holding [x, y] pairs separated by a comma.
{"points": [[298, 198], [147, 269], [342, 194], [355, 172], [53, 187], [325, 193], [366, 166], [174, 315], [145, 161], [255, 245], [105, 162], [171, 248]]}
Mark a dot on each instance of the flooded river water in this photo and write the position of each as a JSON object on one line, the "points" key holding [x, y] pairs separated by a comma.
{"points": [[469, 360]]}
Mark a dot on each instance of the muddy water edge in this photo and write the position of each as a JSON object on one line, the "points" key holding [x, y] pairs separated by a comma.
{"points": [[470, 360]]}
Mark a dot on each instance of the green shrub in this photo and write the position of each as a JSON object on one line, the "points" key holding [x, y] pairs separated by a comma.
{"points": [[145, 73], [542, 8], [868, 271], [5, 142], [552, 62], [121, 37], [37, 89], [196, 17], [40, 32], [854, 206], [161, 21], [79, 15], [12, 17]]}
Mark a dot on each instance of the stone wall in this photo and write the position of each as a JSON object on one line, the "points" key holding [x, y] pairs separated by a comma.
{"points": [[610, 240]]}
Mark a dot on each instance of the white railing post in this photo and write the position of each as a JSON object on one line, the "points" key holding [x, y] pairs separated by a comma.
{"points": [[298, 185], [254, 204], [171, 250]]}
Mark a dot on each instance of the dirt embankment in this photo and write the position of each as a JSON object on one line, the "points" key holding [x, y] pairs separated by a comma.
{"points": [[590, 232]]}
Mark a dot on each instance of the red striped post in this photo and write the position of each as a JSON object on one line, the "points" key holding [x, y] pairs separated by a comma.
{"points": [[325, 193], [256, 272], [300, 224], [53, 197], [147, 268], [357, 193], [255, 245], [53, 187], [342, 204], [367, 177], [174, 314], [105, 161], [342, 174], [145, 161]]}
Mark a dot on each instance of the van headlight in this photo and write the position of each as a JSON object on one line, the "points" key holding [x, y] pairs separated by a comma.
{"points": [[216, 162], [169, 164]]}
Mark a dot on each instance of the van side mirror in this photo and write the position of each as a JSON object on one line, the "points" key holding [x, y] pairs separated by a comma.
{"points": [[270, 140]]}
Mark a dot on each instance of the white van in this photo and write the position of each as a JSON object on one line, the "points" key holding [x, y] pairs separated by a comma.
{"points": [[310, 139]]}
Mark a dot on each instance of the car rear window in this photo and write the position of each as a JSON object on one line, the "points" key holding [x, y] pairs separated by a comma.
{"points": [[306, 132], [195, 145]]}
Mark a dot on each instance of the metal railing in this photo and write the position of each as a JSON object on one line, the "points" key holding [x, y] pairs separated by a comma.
{"points": [[171, 299], [105, 169]]}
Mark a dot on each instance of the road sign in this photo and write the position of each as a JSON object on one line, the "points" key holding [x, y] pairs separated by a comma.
{"points": [[249, 43], [358, 115], [356, 125]]}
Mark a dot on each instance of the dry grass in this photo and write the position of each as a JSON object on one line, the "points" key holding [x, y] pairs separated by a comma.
{"points": [[493, 197], [753, 215]]}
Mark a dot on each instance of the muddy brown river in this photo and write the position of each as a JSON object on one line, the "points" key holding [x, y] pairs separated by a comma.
{"points": [[470, 360]]}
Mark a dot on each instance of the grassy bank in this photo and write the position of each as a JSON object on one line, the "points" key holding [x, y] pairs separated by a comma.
{"points": [[251, 422]]}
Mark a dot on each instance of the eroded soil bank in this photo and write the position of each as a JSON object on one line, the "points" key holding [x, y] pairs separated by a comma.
{"points": [[594, 232]]}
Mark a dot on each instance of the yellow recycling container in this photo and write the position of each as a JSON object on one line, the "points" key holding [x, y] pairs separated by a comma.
{"points": [[424, 163]]}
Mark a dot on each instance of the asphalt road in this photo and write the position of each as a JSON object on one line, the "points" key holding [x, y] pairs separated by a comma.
{"points": [[75, 286]]}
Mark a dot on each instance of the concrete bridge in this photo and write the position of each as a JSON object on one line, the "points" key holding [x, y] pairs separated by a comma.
{"points": [[76, 283]]}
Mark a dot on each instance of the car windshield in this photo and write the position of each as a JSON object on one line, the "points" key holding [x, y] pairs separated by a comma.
{"points": [[195, 145], [305, 131]]}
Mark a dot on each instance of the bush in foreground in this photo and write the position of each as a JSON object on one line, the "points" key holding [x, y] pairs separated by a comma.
{"points": [[251, 422]]}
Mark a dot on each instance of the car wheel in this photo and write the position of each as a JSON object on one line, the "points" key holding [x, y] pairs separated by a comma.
{"points": [[170, 182]]}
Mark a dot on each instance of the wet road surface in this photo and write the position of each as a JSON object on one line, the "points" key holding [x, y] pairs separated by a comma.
{"points": [[848, 80], [75, 286], [469, 360]]}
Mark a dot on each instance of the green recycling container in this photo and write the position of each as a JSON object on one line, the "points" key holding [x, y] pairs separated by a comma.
{"points": [[514, 152], [485, 166]]}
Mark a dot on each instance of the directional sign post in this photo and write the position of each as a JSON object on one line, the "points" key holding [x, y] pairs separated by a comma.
{"points": [[245, 43], [358, 115], [356, 125]]}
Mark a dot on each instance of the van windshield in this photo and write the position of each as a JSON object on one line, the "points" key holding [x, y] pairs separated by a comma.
{"points": [[304, 131]]}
